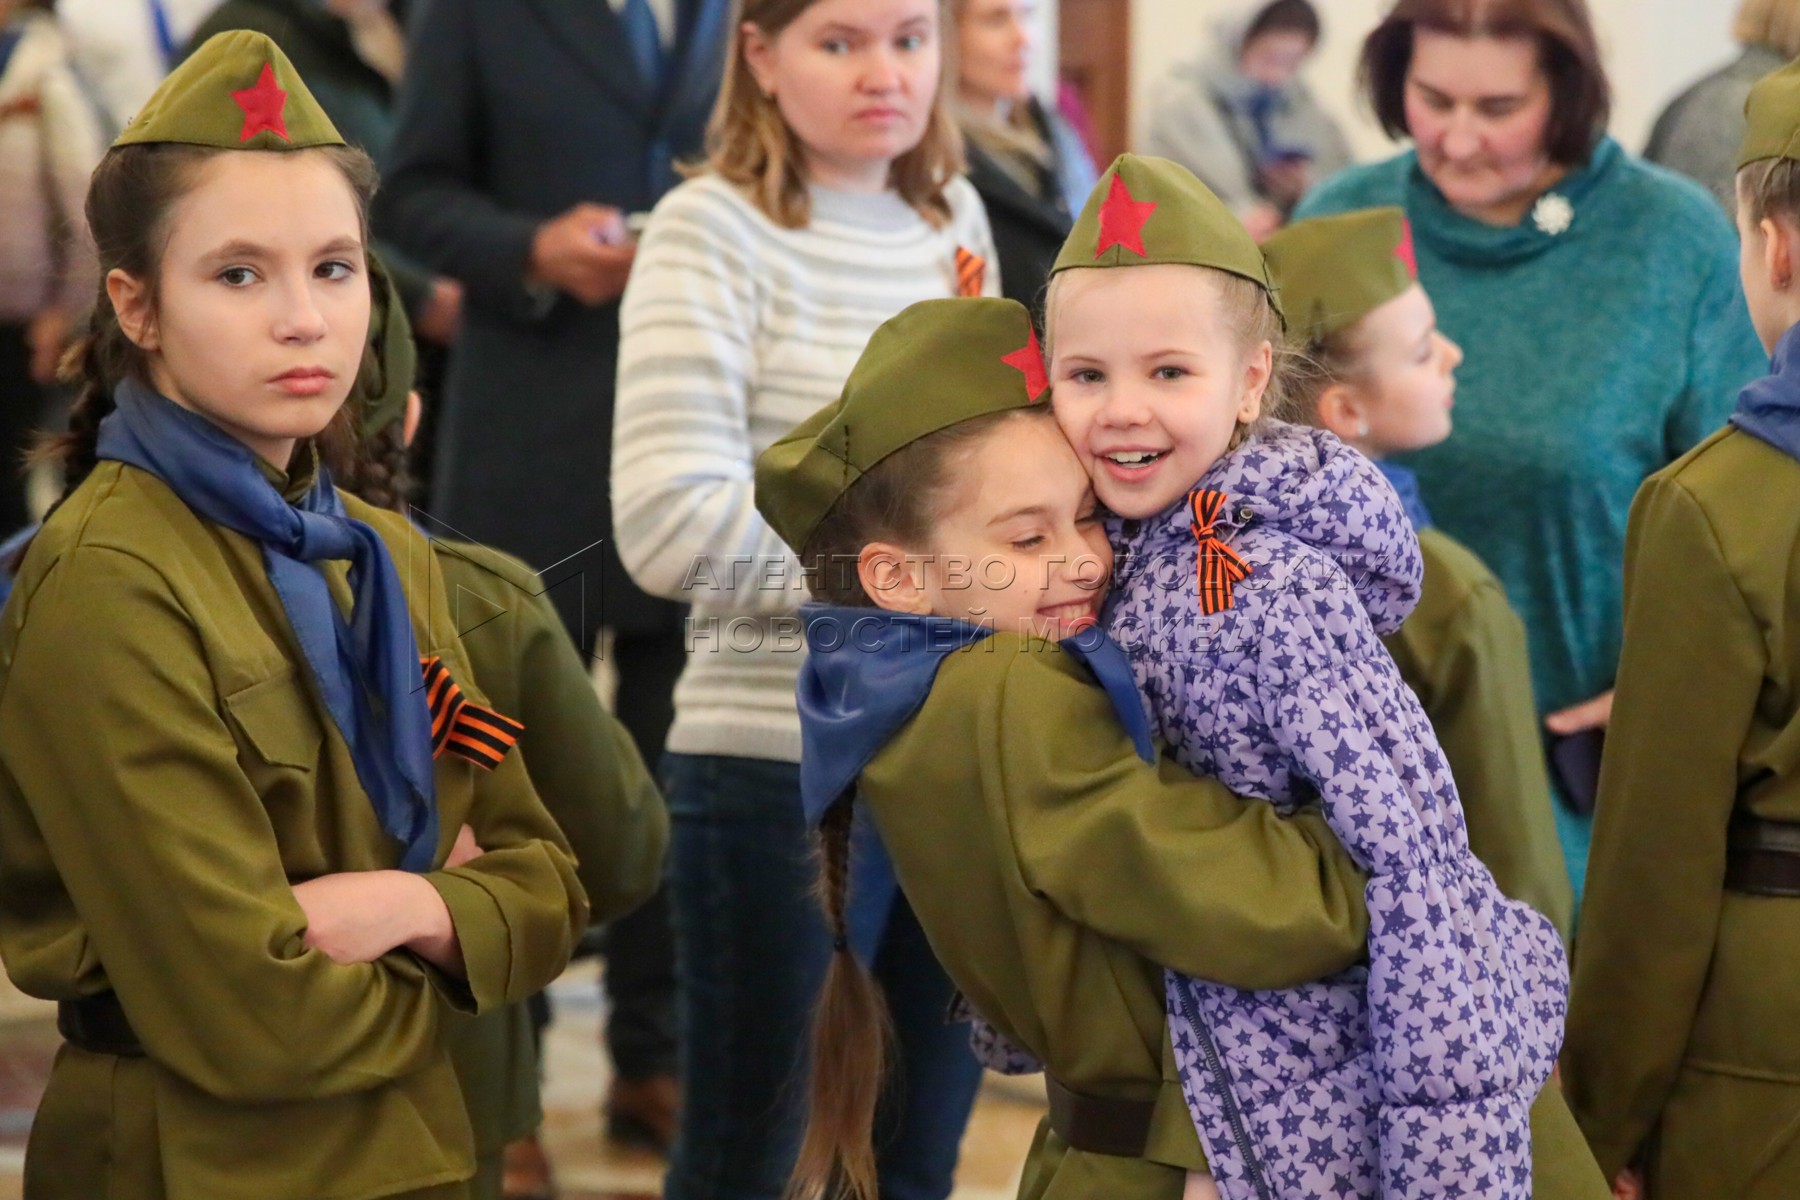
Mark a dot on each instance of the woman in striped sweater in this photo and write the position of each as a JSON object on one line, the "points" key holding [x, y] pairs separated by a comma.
{"points": [[830, 202]]}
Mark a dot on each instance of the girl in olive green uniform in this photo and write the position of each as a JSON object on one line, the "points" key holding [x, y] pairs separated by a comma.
{"points": [[1053, 863], [259, 833], [1379, 375], [958, 693], [582, 762], [1683, 1054]]}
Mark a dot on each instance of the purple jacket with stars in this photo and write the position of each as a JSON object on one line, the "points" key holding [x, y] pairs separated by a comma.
{"points": [[1412, 1076]]}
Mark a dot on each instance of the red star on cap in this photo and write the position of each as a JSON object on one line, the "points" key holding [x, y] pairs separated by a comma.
{"points": [[1405, 251], [1122, 219], [1029, 359], [263, 105]]}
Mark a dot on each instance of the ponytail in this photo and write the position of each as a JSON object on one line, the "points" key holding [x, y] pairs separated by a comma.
{"points": [[851, 1035], [97, 360]]}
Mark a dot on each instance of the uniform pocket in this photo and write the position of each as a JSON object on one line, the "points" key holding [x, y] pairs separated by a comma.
{"points": [[276, 717]]}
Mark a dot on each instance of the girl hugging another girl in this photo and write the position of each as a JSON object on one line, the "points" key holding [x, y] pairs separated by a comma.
{"points": [[1258, 566]]}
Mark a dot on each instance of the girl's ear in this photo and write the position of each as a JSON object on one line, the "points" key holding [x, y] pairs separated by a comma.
{"points": [[1779, 251], [130, 297], [1342, 409], [893, 579], [415, 415], [759, 56], [1258, 370]]}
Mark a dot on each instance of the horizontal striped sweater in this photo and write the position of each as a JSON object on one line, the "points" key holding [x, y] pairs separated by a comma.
{"points": [[733, 331]]}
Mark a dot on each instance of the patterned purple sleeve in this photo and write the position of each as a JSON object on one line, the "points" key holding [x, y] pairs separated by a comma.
{"points": [[1412, 1076]]}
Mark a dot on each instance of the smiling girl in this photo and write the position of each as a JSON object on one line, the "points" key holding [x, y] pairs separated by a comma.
{"points": [[243, 851], [831, 201], [1260, 563]]}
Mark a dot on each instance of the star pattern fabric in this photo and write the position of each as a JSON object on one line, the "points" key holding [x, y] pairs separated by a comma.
{"points": [[1412, 1076], [1122, 220], [264, 107]]}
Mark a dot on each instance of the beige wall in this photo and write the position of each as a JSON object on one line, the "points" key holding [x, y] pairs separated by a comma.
{"points": [[1653, 49]]}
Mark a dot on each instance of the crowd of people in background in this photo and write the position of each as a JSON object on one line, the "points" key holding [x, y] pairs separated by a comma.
{"points": [[640, 242]]}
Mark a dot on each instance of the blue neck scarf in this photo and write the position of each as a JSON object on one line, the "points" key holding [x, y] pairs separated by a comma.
{"points": [[1406, 485], [367, 667], [1769, 408]]}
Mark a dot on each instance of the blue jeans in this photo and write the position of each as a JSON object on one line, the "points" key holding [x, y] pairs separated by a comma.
{"points": [[750, 953]]}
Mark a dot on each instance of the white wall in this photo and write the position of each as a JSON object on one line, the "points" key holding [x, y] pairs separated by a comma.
{"points": [[1653, 49]]}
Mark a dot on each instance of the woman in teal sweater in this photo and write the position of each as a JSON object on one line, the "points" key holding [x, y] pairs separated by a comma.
{"points": [[1596, 299]]}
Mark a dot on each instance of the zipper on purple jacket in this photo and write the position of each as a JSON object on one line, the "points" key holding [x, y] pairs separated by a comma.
{"points": [[1222, 1081]]}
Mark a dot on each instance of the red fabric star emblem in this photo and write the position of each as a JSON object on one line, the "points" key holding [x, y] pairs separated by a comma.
{"points": [[1405, 251], [1029, 359], [263, 106], [1122, 219]]}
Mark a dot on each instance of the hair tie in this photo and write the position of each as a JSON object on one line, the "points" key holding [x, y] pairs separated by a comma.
{"points": [[840, 944]]}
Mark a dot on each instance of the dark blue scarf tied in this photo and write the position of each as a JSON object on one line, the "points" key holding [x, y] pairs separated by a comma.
{"points": [[367, 667], [1769, 408], [1405, 482]]}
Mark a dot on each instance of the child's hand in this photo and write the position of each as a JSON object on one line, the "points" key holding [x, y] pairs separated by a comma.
{"points": [[1589, 714], [465, 850], [358, 916], [1629, 1185]]}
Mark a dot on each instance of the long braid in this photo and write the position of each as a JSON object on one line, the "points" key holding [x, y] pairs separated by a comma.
{"points": [[851, 1036]]}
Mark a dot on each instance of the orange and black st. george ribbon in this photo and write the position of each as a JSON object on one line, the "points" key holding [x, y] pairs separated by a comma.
{"points": [[1220, 567], [478, 734], [971, 272]]}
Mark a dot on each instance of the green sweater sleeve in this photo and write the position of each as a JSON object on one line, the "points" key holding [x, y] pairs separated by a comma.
{"points": [[167, 853], [1667, 788], [1177, 868]]}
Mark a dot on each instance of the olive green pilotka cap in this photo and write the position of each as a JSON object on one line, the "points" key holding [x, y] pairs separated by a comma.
{"points": [[937, 364], [236, 92], [1152, 212], [1334, 271], [1772, 117]]}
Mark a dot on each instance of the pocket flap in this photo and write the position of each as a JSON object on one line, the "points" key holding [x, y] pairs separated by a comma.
{"points": [[277, 717]]}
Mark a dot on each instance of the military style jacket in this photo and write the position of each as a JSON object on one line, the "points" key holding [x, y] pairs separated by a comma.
{"points": [[1054, 872], [167, 772], [1684, 1029], [590, 776]]}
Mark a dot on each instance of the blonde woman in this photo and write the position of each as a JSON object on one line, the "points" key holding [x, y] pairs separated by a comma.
{"points": [[831, 200], [1698, 134]]}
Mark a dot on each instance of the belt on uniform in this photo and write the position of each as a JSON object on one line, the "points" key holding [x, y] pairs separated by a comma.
{"points": [[1097, 1124], [98, 1025], [1763, 857]]}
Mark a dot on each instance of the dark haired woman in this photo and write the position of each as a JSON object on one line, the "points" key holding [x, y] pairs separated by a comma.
{"points": [[1241, 119], [256, 863], [1028, 163], [1595, 299]]}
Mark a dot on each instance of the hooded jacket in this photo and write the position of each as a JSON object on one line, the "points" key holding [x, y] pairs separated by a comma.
{"points": [[1411, 1076], [1201, 117]]}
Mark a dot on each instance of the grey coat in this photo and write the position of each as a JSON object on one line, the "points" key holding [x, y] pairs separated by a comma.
{"points": [[1198, 118], [1698, 134]]}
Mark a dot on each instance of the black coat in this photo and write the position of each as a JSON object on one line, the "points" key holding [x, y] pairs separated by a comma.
{"points": [[510, 114], [1029, 229]]}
